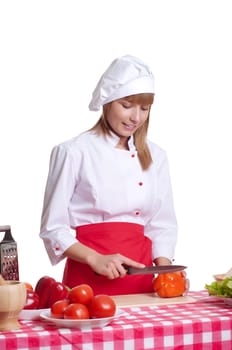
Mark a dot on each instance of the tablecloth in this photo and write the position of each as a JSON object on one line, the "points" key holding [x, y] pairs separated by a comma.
{"points": [[204, 324]]}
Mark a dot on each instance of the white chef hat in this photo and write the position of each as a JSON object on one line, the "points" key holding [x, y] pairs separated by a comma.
{"points": [[126, 75]]}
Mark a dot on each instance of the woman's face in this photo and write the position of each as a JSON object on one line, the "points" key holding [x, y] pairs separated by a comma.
{"points": [[125, 117]]}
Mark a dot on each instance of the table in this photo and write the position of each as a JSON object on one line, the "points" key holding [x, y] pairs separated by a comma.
{"points": [[204, 324]]}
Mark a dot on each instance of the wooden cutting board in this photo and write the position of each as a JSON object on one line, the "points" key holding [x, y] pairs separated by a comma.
{"points": [[149, 299]]}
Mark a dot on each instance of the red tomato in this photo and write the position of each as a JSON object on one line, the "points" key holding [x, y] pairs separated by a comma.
{"points": [[57, 309], [168, 285], [76, 311], [82, 294], [28, 286], [102, 306]]}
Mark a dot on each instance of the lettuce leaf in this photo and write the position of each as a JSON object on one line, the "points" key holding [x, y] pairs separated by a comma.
{"points": [[220, 288]]}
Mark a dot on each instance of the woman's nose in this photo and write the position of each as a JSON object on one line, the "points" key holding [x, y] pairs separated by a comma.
{"points": [[135, 116]]}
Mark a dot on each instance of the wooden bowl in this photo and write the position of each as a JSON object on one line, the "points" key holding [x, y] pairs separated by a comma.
{"points": [[222, 276], [219, 276], [12, 301]]}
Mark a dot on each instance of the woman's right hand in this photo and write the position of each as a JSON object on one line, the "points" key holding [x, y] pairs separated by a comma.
{"points": [[111, 266]]}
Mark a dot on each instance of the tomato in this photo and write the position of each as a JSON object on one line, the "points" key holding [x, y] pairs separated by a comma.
{"points": [[102, 306], [168, 285], [28, 286], [57, 309], [76, 311], [82, 294]]}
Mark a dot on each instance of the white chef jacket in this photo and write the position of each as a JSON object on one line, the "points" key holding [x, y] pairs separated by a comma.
{"points": [[92, 181]]}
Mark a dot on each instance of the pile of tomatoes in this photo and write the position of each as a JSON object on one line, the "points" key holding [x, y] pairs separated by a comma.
{"points": [[78, 302], [81, 303]]}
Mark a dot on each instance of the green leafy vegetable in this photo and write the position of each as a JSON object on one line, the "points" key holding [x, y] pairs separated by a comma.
{"points": [[221, 288]]}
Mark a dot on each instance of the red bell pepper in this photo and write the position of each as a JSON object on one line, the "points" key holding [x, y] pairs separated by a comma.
{"points": [[58, 291], [49, 291], [32, 300], [43, 289]]}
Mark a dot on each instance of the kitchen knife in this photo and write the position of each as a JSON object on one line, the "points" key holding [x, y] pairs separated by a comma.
{"points": [[153, 269]]}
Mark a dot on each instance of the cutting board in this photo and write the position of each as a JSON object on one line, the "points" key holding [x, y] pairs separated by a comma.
{"points": [[149, 299]]}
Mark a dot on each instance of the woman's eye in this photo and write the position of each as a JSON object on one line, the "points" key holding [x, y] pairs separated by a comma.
{"points": [[126, 105], [145, 108]]}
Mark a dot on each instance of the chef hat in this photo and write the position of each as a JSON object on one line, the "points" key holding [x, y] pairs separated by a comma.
{"points": [[126, 75]]}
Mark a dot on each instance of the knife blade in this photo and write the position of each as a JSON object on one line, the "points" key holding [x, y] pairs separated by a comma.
{"points": [[154, 269]]}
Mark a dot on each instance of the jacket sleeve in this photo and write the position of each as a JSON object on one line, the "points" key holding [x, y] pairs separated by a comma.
{"points": [[55, 226]]}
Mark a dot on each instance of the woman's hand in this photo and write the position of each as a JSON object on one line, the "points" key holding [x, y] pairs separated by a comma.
{"points": [[111, 266], [162, 261]]}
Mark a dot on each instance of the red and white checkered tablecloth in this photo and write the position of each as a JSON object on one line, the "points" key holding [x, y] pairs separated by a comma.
{"points": [[202, 325]]}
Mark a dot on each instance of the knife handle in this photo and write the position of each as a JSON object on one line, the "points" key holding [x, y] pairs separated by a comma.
{"points": [[127, 268]]}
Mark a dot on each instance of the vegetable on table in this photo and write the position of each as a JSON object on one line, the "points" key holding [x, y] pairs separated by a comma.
{"points": [[221, 288], [102, 305], [81, 303], [81, 293], [170, 285], [57, 309], [32, 300], [57, 292], [76, 311], [50, 291]]}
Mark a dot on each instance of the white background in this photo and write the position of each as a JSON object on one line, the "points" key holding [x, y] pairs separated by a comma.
{"points": [[52, 54]]}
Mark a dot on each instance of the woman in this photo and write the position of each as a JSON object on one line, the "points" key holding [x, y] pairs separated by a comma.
{"points": [[112, 187]]}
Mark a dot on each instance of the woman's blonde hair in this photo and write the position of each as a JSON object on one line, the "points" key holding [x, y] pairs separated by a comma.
{"points": [[140, 136]]}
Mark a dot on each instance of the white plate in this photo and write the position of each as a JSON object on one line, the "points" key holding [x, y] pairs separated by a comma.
{"points": [[82, 324], [227, 300], [33, 314]]}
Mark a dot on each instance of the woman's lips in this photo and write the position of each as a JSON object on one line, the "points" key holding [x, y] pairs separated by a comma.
{"points": [[129, 127]]}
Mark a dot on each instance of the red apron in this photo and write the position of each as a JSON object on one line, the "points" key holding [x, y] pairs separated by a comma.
{"points": [[110, 238]]}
